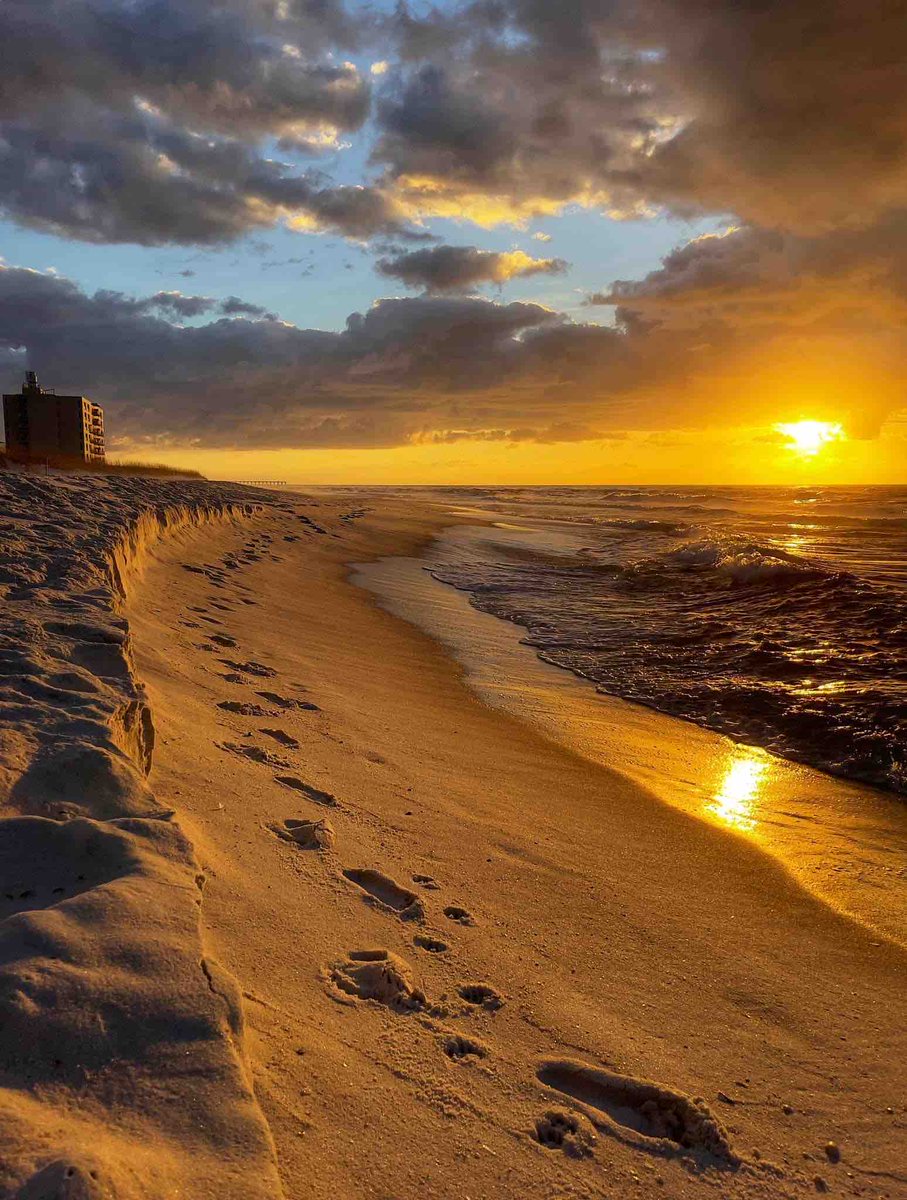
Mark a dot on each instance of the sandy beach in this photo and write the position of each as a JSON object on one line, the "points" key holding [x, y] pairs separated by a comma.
{"points": [[453, 600], [444, 952]]}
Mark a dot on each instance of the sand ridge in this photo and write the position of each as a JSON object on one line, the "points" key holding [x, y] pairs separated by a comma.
{"points": [[122, 1065]]}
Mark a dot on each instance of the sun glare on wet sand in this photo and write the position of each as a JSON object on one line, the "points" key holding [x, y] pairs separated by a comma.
{"points": [[736, 800], [809, 437]]}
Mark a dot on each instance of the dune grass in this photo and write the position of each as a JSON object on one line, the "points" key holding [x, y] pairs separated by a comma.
{"points": [[137, 467], [123, 466]]}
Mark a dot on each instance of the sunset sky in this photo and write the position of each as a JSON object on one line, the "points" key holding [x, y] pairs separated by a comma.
{"points": [[499, 241]]}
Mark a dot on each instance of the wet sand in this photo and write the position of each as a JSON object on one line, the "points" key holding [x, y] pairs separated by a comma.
{"points": [[475, 962], [845, 842]]}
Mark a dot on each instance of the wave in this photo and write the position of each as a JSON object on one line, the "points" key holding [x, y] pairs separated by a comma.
{"points": [[748, 563], [782, 627], [708, 510], [644, 525]]}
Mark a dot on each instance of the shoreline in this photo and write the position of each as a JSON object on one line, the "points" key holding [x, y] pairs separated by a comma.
{"points": [[843, 841], [604, 937]]}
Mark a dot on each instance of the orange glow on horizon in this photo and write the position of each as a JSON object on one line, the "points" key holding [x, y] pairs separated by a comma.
{"points": [[745, 455], [682, 458]]}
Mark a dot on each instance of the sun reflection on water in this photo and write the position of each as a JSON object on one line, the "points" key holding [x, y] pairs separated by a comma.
{"points": [[736, 801]]}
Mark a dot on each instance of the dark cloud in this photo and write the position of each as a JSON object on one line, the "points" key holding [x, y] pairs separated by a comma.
{"points": [[445, 366], [136, 176], [463, 268], [233, 306], [155, 120], [178, 305], [789, 113], [404, 366], [259, 67], [750, 278], [146, 121]]}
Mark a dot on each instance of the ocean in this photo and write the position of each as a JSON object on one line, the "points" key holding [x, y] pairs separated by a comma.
{"points": [[776, 616]]}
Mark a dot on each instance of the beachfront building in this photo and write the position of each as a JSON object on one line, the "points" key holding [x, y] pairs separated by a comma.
{"points": [[40, 425]]}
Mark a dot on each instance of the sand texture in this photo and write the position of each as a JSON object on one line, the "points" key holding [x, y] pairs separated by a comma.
{"points": [[123, 1071], [437, 954]]}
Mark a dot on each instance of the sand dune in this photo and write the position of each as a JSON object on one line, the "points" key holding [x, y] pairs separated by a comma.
{"points": [[123, 1068]]}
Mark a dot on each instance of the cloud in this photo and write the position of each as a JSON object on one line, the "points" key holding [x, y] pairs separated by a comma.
{"points": [[149, 122], [237, 382], [437, 364], [790, 115], [853, 279], [233, 306], [463, 268], [161, 121], [219, 67], [157, 121], [110, 177], [177, 305]]}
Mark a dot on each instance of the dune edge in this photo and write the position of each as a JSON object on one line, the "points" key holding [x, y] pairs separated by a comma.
{"points": [[123, 1072]]}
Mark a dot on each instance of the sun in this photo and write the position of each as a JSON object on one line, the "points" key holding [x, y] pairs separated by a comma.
{"points": [[809, 437]]}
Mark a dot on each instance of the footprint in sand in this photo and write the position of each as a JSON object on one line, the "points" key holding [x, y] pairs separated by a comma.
{"points": [[432, 945], [376, 975], [461, 916], [255, 754], [310, 524], [560, 1130], [481, 995], [313, 793], [426, 881], [221, 639], [288, 702], [387, 894], [284, 738], [250, 668], [308, 835], [460, 1048], [232, 677], [244, 709], [648, 1115]]}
